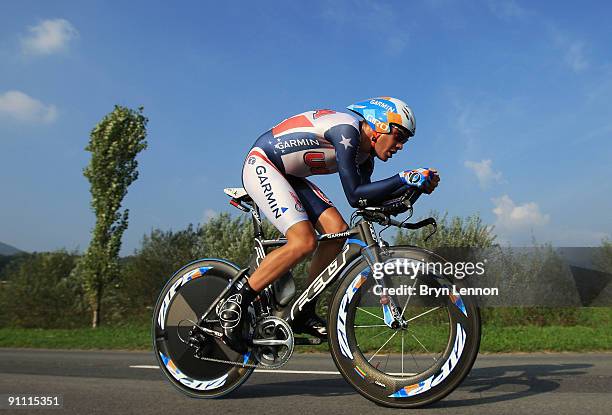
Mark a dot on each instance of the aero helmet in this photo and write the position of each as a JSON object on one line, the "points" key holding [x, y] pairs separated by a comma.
{"points": [[381, 112]]}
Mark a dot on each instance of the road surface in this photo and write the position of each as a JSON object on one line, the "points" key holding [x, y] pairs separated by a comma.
{"points": [[106, 382]]}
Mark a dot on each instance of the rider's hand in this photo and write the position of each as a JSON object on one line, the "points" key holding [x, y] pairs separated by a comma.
{"points": [[424, 179]]}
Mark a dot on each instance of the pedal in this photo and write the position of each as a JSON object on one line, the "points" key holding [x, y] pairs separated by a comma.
{"points": [[307, 341]]}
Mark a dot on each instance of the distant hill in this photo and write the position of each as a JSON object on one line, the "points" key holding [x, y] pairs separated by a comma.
{"points": [[6, 249]]}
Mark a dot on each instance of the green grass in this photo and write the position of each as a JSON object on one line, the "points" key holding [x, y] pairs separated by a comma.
{"points": [[504, 330], [547, 338], [495, 339], [127, 338]]}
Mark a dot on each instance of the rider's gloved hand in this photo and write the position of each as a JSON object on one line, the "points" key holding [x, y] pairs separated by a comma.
{"points": [[424, 179]]}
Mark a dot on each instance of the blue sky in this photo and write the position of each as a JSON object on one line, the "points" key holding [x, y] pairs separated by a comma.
{"points": [[512, 101]]}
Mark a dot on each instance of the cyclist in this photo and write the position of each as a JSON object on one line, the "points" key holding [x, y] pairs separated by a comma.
{"points": [[274, 175]]}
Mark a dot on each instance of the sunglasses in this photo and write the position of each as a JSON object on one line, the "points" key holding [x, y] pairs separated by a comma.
{"points": [[402, 134]]}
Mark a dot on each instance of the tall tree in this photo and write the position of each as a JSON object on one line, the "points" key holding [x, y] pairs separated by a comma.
{"points": [[114, 144]]}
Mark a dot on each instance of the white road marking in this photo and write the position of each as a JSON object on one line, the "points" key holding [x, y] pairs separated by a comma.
{"points": [[300, 372], [304, 372]]}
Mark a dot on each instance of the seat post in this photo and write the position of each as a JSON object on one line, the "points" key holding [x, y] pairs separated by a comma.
{"points": [[257, 228]]}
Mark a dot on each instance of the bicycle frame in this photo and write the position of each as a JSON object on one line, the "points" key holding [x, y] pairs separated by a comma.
{"points": [[361, 241]]}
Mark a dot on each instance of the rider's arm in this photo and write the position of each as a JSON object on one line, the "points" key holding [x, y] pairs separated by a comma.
{"points": [[346, 140]]}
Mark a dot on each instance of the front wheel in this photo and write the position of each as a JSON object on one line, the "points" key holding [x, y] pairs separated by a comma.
{"points": [[414, 363], [186, 296]]}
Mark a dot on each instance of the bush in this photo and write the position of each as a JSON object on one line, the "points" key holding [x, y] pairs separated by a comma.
{"points": [[603, 258], [39, 292], [143, 275]]}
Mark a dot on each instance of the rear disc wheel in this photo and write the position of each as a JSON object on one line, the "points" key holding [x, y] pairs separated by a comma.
{"points": [[186, 296]]}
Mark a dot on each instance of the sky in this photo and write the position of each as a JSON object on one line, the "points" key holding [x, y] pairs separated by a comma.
{"points": [[512, 101]]}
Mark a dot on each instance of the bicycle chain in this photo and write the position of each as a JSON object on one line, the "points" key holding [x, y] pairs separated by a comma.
{"points": [[229, 362]]}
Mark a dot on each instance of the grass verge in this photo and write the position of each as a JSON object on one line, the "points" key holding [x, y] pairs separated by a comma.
{"points": [[495, 339]]}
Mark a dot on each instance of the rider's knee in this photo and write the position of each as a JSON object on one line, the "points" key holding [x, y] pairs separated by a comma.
{"points": [[337, 227], [303, 247]]}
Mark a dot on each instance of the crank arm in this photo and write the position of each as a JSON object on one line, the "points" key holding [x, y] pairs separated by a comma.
{"points": [[264, 342], [311, 341], [214, 333]]}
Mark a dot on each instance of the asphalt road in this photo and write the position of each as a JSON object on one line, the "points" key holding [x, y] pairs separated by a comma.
{"points": [[108, 383]]}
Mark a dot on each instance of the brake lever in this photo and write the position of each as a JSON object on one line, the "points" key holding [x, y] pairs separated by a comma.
{"points": [[377, 217], [435, 229], [417, 225]]}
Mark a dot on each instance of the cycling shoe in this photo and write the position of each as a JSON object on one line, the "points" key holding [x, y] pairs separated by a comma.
{"points": [[312, 324], [234, 317]]}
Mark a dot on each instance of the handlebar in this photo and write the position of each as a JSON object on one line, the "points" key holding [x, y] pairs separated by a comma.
{"points": [[416, 225], [382, 214], [397, 205]]}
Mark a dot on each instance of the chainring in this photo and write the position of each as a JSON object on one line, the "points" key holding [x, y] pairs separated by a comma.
{"points": [[273, 356]]}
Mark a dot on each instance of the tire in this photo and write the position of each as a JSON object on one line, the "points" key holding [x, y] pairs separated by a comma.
{"points": [[350, 345], [186, 296]]}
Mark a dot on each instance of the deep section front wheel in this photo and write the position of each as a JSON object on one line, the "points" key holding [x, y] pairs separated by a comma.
{"points": [[184, 299], [414, 363]]}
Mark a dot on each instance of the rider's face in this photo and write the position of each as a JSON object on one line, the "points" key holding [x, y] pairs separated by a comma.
{"points": [[389, 144]]}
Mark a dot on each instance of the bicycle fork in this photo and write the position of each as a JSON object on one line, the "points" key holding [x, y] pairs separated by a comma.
{"points": [[392, 313]]}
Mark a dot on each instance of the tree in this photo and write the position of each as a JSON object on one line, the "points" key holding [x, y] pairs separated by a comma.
{"points": [[231, 238], [114, 144], [603, 257]]}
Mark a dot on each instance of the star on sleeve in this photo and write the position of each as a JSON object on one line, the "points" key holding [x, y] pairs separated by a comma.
{"points": [[345, 142]]}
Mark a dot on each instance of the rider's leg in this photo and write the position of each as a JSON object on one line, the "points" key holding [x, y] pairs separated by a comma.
{"points": [[270, 190], [330, 221], [327, 219], [274, 194], [292, 204], [301, 242]]}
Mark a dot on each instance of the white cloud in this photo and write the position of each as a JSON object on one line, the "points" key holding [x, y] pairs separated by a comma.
{"points": [[22, 107], [477, 119], [510, 215], [574, 56], [573, 49], [48, 37], [484, 172], [469, 125]]}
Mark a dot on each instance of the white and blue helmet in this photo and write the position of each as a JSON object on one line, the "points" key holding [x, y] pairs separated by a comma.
{"points": [[382, 112]]}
